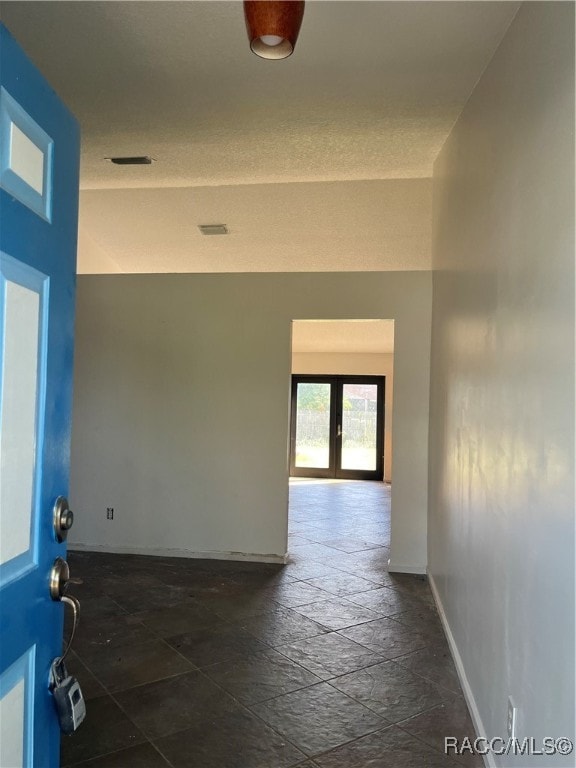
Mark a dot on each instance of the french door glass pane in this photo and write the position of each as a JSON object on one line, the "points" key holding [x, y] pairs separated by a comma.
{"points": [[313, 425], [359, 415]]}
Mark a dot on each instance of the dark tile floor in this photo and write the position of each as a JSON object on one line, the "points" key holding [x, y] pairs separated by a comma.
{"points": [[328, 661]]}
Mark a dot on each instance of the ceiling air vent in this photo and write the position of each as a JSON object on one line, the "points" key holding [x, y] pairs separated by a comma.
{"points": [[213, 229], [136, 160]]}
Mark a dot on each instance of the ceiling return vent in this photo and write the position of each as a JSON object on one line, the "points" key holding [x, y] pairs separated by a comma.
{"points": [[213, 229], [132, 160]]}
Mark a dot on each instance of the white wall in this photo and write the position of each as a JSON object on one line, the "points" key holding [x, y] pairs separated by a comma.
{"points": [[501, 526], [355, 364], [182, 387]]}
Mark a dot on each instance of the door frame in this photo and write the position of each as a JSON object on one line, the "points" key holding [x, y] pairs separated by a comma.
{"points": [[335, 444]]}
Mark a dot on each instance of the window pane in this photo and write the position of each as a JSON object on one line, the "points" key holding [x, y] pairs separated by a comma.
{"points": [[313, 425], [359, 402], [18, 422]]}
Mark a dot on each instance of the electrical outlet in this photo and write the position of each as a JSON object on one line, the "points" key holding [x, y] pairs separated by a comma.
{"points": [[109, 513], [511, 721]]}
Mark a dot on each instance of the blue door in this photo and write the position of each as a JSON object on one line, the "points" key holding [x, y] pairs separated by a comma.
{"points": [[39, 150]]}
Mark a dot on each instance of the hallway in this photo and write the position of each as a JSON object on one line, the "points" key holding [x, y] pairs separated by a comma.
{"points": [[328, 661]]}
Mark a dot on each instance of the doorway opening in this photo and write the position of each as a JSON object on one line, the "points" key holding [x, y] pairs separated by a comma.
{"points": [[340, 430]]}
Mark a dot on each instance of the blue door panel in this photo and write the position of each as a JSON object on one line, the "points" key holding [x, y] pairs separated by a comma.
{"points": [[46, 244]]}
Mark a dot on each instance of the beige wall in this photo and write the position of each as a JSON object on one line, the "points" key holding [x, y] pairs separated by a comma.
{"points": [[501, 526], [355, 364], [181, 409], [91, 257]]}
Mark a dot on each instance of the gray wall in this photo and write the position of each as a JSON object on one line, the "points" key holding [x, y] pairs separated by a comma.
{"points": [[181, 407], [501, 526]]}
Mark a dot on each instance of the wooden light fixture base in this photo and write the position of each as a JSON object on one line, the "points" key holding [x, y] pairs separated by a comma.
{"points": [[273, 26]]}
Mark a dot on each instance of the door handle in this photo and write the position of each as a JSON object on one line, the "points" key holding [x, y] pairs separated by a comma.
{"points": [[59, 581], [65, 688], [339, 431]]}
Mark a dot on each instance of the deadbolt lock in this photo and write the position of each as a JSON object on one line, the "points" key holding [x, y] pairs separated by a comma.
{"points": [[63, 518]]}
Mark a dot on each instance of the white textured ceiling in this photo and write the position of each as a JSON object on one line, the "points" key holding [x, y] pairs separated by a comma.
{"points": [[343, 336], [370, 93], [331, 226]]}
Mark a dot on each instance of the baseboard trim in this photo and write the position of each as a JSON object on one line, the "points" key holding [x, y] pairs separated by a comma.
{"points": [[160, 552], [403, 568], [466, 688]]}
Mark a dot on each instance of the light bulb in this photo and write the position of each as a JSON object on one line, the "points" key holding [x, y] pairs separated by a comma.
{"points": [[271, 40]]}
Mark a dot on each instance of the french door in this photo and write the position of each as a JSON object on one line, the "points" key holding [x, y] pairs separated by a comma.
{"points": [[337, 427]]}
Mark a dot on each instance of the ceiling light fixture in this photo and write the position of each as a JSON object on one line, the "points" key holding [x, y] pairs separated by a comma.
{"points": [[273, 26]]}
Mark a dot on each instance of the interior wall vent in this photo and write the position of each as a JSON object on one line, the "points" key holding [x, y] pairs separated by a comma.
{"points": [[213, 229], [135, 160]]}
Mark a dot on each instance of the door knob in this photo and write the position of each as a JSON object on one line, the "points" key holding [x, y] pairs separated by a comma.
{"points": [[63, 518]]}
